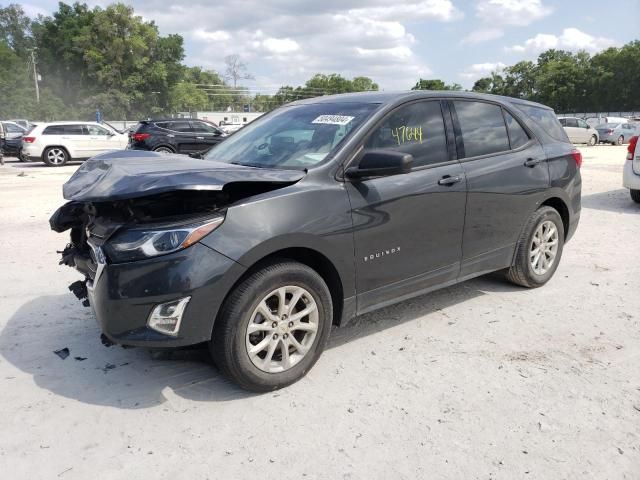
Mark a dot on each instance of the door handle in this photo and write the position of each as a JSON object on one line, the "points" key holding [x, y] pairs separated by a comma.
{"points": [[448, 180], [532, 162]]}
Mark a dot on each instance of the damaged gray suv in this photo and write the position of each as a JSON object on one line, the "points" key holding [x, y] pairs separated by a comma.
{"points": [[317, 212]]}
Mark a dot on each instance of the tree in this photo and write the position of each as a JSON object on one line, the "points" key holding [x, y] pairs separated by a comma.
{"points": [[435, 84], [236, 69], [187, 97], [15, 30]]}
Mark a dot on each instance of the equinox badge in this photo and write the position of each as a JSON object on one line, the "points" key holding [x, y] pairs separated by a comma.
{"points": [[383, 253]]}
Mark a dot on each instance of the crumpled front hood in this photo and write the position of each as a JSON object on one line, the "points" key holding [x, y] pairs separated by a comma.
{"points": [[128, 174]]}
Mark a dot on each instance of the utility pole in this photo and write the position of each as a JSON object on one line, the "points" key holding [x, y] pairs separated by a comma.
{"points": [[35, 75]]}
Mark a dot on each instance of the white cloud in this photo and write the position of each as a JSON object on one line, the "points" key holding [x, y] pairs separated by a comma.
{"points": [[442, 10], [217, 36], [482, 35], [280, 45], [571, 39], [478, 70], [512, 12]]}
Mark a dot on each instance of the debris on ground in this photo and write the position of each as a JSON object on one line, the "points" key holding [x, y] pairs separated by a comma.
{"points": [[62, 353], [80, 359]]}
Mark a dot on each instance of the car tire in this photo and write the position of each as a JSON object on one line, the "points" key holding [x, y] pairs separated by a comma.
{"points": [[620, 140], [544, 230], [164, 150], [55, 156], [593, 140], [22, 157], [635, 195], [245, 330]]}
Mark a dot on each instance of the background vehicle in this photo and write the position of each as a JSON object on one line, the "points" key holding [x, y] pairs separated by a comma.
{"points": [[58, 143], [321, 210], [616, 133], [26, 124], [13, 139], [631, 173], [176, 135], [579, 131], [595, 121]]}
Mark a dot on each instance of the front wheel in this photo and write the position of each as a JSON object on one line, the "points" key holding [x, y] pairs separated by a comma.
{"points": [[635, 195], [55, 156], [273, 327], [539, 249]]}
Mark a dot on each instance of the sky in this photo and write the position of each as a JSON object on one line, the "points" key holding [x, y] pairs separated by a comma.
{"points": [[285, 42]]}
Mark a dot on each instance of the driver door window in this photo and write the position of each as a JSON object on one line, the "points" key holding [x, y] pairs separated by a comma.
{"points": [[418, 129]]}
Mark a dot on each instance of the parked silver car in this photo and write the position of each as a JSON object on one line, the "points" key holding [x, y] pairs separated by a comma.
{"points": [[617, 133], [579, 131]]}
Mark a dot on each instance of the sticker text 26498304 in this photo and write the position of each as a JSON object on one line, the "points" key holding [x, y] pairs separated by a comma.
{"points": [[407, 134]]}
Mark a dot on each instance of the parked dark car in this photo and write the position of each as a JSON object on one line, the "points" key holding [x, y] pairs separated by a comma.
{"points": [[316, 212], [175, 135], [13, 139]]}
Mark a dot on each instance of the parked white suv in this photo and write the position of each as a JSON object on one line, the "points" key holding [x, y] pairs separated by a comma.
{"points": [[631, 174], [58, 143]]}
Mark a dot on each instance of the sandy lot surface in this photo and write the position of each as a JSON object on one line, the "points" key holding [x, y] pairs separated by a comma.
{"points": [[481, 380]]}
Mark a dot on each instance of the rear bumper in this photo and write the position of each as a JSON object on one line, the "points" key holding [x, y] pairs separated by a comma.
{"points": [[123, 295]]}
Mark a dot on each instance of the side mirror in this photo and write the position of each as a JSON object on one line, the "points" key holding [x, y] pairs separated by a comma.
{"points": [[380, 163]]}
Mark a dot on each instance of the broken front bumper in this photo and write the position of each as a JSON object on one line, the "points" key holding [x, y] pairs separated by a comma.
{"points": [[123, 295]]}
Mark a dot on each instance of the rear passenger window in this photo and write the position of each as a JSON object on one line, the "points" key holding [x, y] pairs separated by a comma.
{"points": [[517, 135], [54, 130], [483, 128], [572, 122], [417, 129]]}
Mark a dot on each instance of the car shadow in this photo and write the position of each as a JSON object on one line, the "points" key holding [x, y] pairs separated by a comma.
{"points": [[617, 200], [137, 378]]}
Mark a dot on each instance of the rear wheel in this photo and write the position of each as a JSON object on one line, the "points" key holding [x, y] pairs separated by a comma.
{"points": [[539, 249], [163, 150], [635, 195], [273, 327], [55, 156], [620, 140], [593, 140]]}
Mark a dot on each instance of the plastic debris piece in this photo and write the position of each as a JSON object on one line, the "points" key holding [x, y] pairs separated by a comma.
{"points": [[62, 353]]}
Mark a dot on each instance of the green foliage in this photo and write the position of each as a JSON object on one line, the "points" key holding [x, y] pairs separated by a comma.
{"points": [[435, 84], [573, 82]]}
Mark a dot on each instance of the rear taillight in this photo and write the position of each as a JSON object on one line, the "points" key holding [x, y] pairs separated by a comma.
{"points": [[577, 156], [28, 139], [140, 137], [633, 141], [610, 132]]}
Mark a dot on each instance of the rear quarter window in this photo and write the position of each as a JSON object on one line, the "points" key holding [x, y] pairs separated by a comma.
{"points": [[546, 119]]}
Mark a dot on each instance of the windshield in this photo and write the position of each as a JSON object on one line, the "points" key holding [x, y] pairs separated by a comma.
{"points": [[295, 137]]}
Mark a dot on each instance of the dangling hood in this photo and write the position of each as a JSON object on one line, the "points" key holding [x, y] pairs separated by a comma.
{"points": [[129, 174]]}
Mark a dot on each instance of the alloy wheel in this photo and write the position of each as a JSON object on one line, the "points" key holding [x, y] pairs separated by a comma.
{"points": [[544, 247], [56, 156], [282, 329]]}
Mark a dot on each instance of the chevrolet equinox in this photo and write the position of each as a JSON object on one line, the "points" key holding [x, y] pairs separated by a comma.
{"points": [[319, 211]]}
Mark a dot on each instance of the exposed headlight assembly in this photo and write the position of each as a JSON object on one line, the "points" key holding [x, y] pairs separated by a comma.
{"points": [[147, 241]]}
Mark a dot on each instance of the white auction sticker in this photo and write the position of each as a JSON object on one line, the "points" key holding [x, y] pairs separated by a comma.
{"points": [[333, 119]]}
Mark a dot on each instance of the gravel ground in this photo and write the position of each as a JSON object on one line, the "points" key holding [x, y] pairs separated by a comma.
{"points": [[481, 380]]}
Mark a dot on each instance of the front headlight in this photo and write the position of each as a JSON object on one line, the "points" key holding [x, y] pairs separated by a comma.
{"points": [[146, 241]]}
